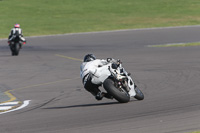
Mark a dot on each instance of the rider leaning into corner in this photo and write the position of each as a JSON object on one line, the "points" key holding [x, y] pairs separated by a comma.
{"points": [[92, 68], [14, 32]]}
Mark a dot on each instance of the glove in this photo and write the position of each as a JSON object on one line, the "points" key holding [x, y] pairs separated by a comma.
{"points": [[119, 61]]}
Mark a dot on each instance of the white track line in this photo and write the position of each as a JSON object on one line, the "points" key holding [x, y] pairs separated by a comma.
{"points": [[9, 103], [5, 108], [112, 31], [26, 103], [81, 33]]}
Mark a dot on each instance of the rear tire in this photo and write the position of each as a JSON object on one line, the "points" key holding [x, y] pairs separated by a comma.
{"points": [[16, 50], [120, 96]]}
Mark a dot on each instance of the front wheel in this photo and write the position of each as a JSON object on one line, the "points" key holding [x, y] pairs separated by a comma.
{"points": [[139, 95], [119, 94]]}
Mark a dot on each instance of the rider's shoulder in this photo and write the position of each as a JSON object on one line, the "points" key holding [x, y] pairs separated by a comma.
{"points": [[97, 60]]}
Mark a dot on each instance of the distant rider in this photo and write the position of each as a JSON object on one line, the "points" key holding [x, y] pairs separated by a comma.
{"points": [[16, 31], [90, 68]]}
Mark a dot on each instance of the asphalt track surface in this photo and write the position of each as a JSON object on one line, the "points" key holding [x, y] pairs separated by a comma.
{"points": [[45, 74]]}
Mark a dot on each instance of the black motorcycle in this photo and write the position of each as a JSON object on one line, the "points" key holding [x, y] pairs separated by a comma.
{"points": [[16, 45]]}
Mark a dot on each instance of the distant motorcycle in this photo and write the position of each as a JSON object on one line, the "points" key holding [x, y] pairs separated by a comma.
{"points": [[16, 45], [118, 83]]}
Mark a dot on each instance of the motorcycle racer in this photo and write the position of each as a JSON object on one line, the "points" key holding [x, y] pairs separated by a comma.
{"points": [[16, 31], [111, 76], [92, 68]]}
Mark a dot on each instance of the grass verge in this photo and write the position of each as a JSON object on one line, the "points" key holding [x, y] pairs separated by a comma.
{"points": [[44, 17], [177, 45]]}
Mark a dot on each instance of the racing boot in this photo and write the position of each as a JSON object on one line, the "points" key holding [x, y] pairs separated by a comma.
{"points": [[99, 96], [106, 95]]}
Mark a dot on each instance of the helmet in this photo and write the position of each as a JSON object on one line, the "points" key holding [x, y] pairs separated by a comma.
{"points": [[89, 57], [17, 26]]}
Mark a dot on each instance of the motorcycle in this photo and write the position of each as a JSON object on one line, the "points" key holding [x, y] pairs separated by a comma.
{"points": [[15, 45], [118, 83]]}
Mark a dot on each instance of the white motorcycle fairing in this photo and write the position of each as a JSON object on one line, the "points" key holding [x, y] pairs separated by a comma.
{"points": [[102, 73]]}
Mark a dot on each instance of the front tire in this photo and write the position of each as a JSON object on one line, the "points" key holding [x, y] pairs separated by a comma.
{"points": [[120, 96], [139, 95]]}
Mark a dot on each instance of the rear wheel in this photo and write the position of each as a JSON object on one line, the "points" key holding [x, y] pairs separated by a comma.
{"points": [[12, 49], [119, 94], [16, 50]]}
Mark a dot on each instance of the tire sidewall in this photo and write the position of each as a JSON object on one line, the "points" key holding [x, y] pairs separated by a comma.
{"points": [[122, 97], [139, 94]]}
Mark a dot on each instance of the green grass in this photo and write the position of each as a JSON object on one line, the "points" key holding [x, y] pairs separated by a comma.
{"points": [[177, 45], [43, 17]]}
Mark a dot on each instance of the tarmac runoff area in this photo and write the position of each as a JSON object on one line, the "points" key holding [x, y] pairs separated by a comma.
{"points": [[8, 102], [169, 78]]}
